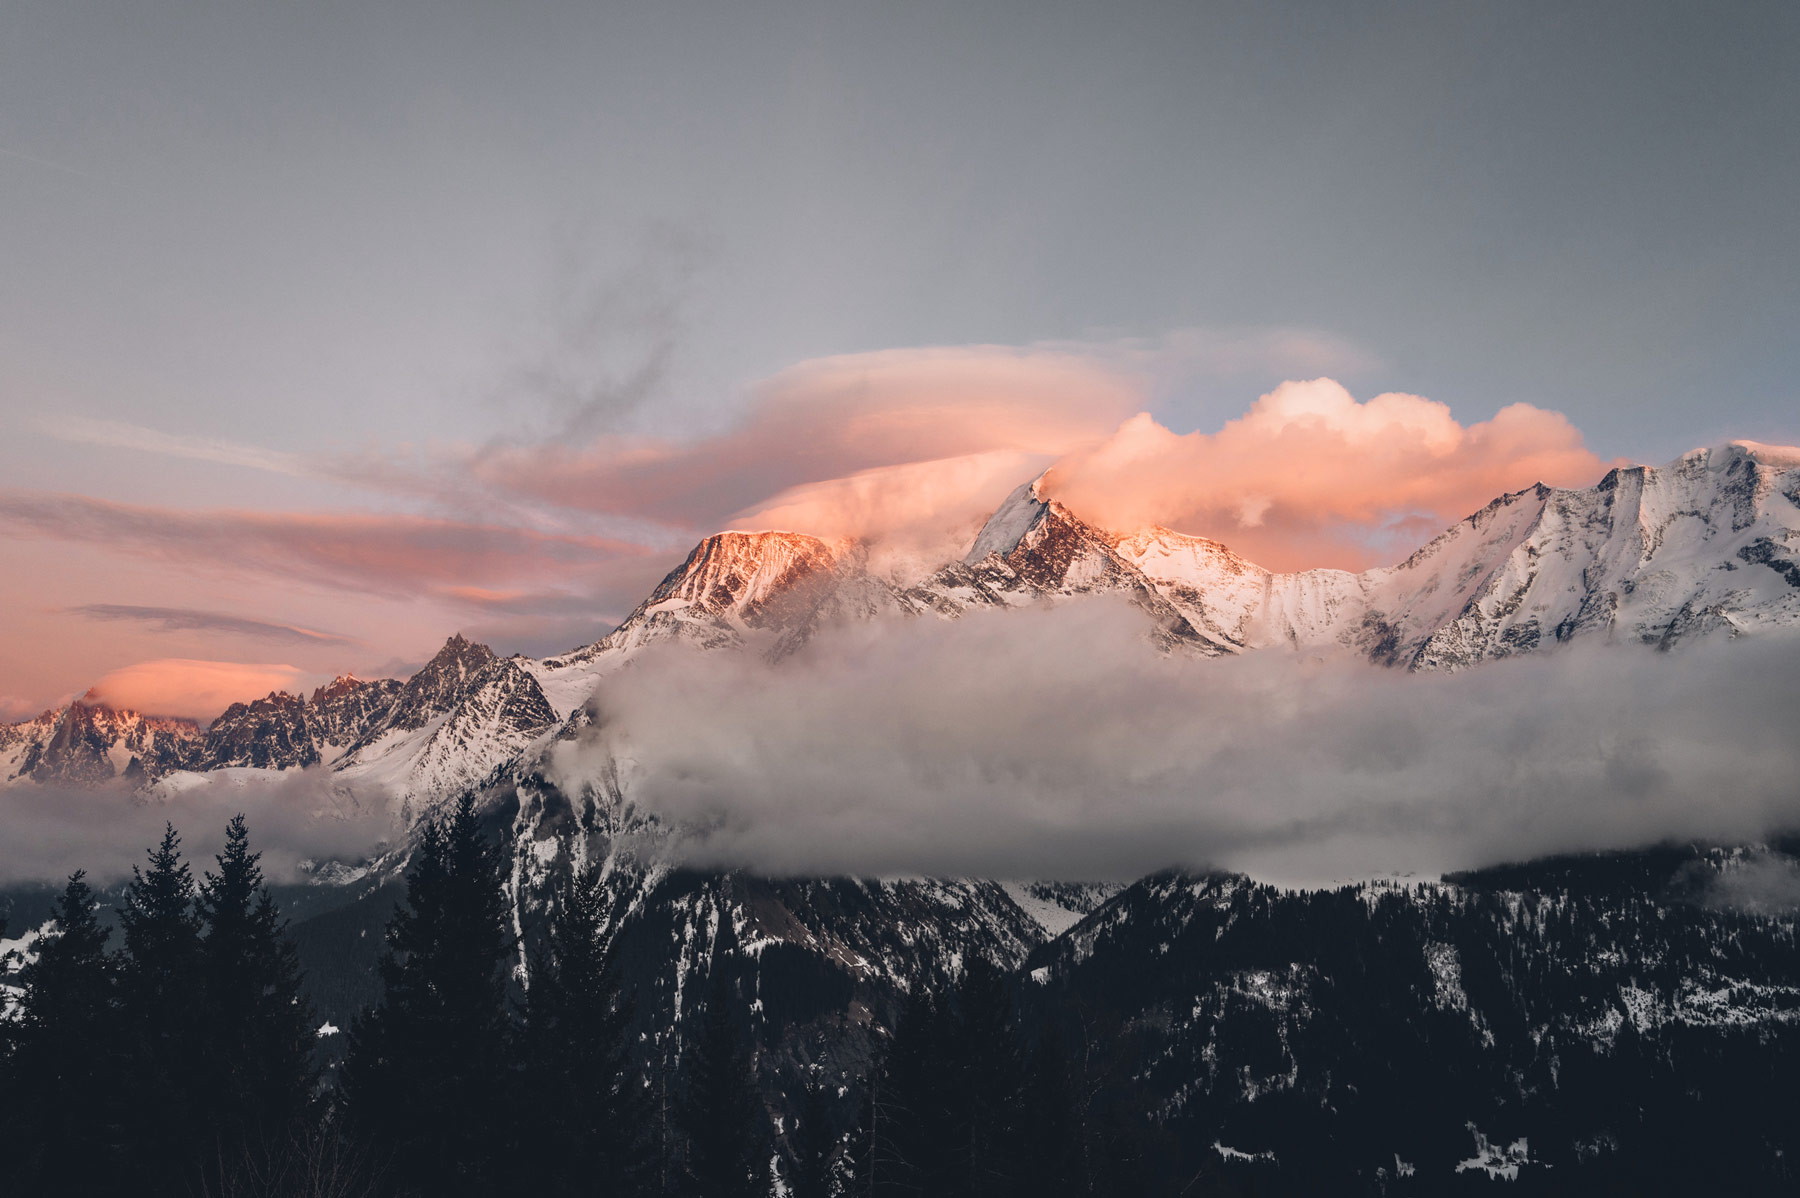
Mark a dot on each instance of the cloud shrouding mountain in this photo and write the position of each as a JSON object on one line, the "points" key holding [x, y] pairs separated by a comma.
{"points": [[829, 420], [1310, 477], [541, 545], [1056, 743], [916, 446]]}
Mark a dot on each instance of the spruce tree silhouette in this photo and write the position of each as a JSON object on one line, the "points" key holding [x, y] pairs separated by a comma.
{"points": [[912, 1116], [161, 1017], [856, 1162], [587, 1109], [722, 1111], [259, 1041], [1052, 1163], [427, 1072], [989, 1079], [814, 1141], [951, 1087], [63, 1077]]}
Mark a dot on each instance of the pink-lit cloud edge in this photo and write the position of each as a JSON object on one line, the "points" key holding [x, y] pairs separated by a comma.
{"points": [[907, 449]]}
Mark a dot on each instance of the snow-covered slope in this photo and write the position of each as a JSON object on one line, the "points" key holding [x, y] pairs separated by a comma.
{"points": [[1036, 550], [1704, 545], [467, 712], [736, 588], [1708, 545]]}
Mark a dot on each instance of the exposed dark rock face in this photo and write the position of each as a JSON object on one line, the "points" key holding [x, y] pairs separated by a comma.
{"points": [[450, 727], [270, 733], [436, 688], [1765, 552], [347, 707], [282, 731], [467, 683], [88, 742]]}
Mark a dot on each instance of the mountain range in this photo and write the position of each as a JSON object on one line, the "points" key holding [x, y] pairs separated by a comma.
{"points": [[1366, 1039], [1705, 546]]}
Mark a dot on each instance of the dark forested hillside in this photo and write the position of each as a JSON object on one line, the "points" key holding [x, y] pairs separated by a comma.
{"points": [[1618, 1023]]}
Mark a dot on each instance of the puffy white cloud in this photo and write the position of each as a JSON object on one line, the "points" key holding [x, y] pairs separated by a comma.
{"points": [[1311, 477]]}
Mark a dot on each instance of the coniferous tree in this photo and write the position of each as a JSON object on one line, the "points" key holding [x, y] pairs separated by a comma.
{"points": [[989, 1077], [161, 1020], [589, 1113], [63, 1075], [815, 1145], [953, 1083], [427, 1073], [856, 1162], [1051, 1164], [722, 1113], [911, 1118], [258, 1061]]}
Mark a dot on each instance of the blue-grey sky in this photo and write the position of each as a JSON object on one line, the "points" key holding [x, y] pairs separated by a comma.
{"points": [[362, 231]]}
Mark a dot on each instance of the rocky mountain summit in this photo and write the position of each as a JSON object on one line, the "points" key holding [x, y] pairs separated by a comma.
{"points": [[1708, 545], [89, 742], [1428, 1034], [443, 729], [282, 730]]}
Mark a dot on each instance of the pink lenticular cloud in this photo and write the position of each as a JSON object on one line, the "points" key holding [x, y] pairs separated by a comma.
{"points": [[911, 448], [827, 420], [907, 450], [915, 508], [1310, 477], [198, 690]]}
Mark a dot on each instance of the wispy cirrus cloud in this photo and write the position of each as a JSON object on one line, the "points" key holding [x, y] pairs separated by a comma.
{"points": [[376, 553], [86, 430], [187, 619]]}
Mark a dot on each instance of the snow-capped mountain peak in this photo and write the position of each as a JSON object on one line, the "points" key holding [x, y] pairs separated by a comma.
{"points": [[1023, 510], [1706, 545], [734, 583], [88, 742], [736, 574]]}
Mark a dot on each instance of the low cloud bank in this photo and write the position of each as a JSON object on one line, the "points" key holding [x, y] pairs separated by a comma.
{"points": [[1056, 743], [293, 817], [1763, 883]]}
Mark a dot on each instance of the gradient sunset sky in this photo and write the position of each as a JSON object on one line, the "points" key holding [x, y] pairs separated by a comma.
{"points": [[327, 330]]}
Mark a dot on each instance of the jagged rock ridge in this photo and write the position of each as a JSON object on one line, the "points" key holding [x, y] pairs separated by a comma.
{"points": [[89, 742], [1704, 546]]}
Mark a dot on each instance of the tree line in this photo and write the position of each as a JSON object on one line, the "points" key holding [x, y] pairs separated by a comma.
{"points": [[156, 1066], [183, 1060], [169, 1050]]}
